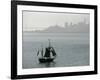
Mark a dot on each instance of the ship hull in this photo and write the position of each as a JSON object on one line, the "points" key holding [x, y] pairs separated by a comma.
{"points": [[43, 60]]}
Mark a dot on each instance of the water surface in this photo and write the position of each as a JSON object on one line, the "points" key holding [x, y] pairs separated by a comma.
{"points": [[72, 49]]}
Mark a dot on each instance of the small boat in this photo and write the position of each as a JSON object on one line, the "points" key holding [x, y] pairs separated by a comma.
{"points": [[48, 55]]}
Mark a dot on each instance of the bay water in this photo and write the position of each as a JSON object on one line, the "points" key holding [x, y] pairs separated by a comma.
{"points": [[72, 49]]}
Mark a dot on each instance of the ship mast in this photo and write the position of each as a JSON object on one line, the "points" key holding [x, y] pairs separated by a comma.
{"points": [[52, 49], [49, 43]]}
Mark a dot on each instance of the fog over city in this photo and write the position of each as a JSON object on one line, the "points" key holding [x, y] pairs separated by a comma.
{"points": [[55, 22]]}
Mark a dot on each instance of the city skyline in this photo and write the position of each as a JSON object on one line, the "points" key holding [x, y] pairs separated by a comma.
{"points": [[33, 21]]}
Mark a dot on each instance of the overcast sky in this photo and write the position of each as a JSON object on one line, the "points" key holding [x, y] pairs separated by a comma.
{"points": [[33, 20]]}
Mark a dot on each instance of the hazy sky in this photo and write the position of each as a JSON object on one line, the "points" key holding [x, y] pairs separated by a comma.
{"points": [[33, 20]]}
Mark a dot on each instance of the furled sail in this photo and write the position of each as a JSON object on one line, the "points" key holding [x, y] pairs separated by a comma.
{"points": [[47, 52], [53, 52]]}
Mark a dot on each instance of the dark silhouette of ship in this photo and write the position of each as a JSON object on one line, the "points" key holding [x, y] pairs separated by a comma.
{"points": [[48, 55]]}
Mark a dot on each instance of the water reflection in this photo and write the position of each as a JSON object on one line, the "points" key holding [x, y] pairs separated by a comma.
{"points": [[48, 64]]}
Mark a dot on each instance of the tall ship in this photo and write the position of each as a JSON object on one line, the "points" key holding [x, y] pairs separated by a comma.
{"points": [[47, 55]]}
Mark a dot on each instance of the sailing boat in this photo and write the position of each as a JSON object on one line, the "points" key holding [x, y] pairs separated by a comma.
{"points": [[48, 56]]}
